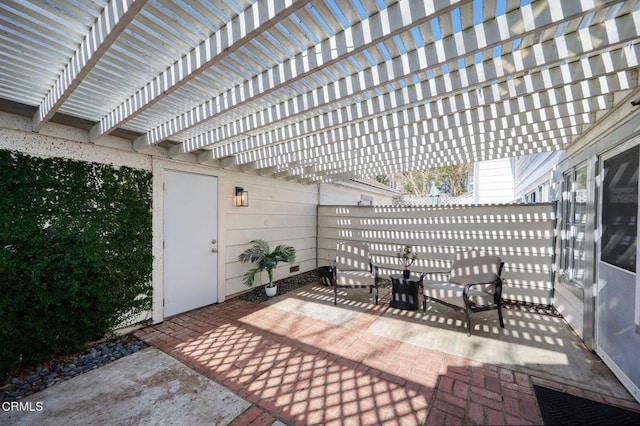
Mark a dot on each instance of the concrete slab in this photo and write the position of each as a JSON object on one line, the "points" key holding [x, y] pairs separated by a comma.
{"points": [[302, 369], [148, 387], [151, 387], [316, 301], [540, 345]]}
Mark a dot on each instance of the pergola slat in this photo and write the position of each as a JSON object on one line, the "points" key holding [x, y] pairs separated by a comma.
{"points": [[398, 68], [319, 90], [395, 146], [259, 17], [283, 153], [398, 163], [467, 105], [116, 16], [336, 48], [524, 98], [394, 140]]}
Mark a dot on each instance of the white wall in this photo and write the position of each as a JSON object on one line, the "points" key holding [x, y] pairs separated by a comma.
{"points": [[534, 170], [522, 235], [612, 129], [603, 318], [279, 211], [345, 194], [493, 182]]}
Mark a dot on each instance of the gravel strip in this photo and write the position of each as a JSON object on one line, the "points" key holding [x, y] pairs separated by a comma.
{"points": [[257, 294], [47, 374]]}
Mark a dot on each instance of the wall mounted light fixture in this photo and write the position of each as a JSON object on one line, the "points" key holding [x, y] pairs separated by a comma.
{"points": [[242, 197]]}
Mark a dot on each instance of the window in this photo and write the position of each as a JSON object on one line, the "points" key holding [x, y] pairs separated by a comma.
{"points": [[365, 200], [620, 210], [530, 198], [574, 219]]}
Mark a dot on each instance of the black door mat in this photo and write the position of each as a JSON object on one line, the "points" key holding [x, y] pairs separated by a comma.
{"points": [[559, 408]]}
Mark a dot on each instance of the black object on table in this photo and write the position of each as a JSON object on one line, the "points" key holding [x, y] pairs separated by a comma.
{"points": [[404, 293]]}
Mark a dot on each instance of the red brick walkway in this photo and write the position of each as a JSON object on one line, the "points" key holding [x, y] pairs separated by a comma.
{"points": [[304, 371]]}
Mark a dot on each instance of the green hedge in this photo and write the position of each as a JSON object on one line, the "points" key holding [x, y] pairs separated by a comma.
{"points": [[75, 254]]}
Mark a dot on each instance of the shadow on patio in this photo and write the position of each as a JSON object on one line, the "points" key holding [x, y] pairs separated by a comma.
{"points": [[301, 360]]}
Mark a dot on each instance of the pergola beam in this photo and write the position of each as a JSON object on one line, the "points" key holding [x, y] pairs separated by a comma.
{"points": [[281, 174], [423, 157], [411, 138], [259, 17], [115, 17], [453, 113], [207, 158], [382, 26], [267, 171], [396, 147], [560, 76], [478, 106], [399, 68], [230, 162], [313, 90], [400, 164]]}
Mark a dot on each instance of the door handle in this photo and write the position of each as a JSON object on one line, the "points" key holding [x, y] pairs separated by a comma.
{"points": [[214, 250], [214, 241]]}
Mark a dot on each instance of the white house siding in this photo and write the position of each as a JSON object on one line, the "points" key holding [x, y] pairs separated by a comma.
{"points": [[352, 194], [494, 181], [612, 129], [536, 170], [279, 211], [522, 235], [621, 336]]}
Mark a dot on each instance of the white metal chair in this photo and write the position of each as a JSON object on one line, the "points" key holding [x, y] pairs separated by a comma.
{"points": [[474, 285], [353, 268]]}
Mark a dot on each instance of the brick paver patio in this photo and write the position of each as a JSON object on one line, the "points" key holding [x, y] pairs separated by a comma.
{"points": [[306, 371]]}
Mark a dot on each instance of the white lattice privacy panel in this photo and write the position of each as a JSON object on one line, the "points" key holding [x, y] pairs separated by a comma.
{"points": [[522, 235]]}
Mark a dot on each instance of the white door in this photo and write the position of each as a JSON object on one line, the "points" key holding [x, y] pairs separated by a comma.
{"points": [[190, 241], [618, 304]]}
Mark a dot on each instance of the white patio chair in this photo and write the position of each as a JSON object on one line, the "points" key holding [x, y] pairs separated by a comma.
{"points": [[353, 268], [474, 285]]}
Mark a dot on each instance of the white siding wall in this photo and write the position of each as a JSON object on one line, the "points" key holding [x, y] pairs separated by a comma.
{"points": [[534, 170], [493, 182], [349, 195], [522, 235], [279, 211], [615, 127]]}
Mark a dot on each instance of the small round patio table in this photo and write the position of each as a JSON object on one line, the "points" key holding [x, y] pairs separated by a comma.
{"points": [[404, 292]]}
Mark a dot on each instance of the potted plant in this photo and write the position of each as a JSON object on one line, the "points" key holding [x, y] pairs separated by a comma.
{"points": [[265, 259], [407, 256]]}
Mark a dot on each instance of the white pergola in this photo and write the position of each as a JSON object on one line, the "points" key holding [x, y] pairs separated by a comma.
{"points": [[322, 90]]}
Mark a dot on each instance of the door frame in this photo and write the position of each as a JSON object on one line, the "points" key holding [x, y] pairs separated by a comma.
{"points": [[158, 166], [619, 373], [194, 289]]}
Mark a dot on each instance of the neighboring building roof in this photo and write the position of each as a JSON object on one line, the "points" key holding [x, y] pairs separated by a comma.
{"points": [[374, 184]]}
